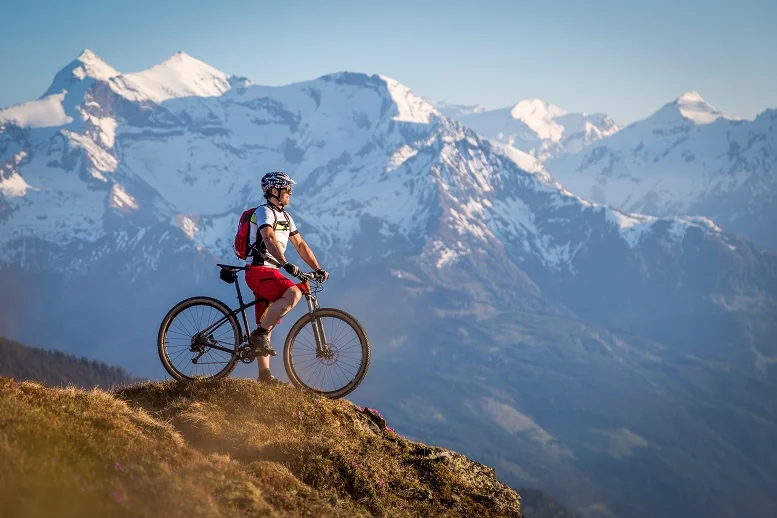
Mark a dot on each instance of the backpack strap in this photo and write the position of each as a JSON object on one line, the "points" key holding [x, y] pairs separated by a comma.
{"points": [[288, 221], [262, 254]]}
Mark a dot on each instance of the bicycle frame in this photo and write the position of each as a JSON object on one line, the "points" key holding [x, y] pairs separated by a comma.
{"points": [[312, 302]]}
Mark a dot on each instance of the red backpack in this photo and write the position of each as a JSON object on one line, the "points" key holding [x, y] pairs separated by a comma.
{"points": [[242, 246]]}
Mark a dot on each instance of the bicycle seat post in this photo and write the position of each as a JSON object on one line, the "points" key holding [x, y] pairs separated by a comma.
{"points": [[237, 287]]}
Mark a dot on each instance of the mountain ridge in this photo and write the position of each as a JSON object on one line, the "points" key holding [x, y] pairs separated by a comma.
{"points": [[534, 126], [687, 158], [101, 157], [56, 368]]}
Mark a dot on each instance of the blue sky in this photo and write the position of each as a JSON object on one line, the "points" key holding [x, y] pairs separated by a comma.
{"points": [[625, 58]]}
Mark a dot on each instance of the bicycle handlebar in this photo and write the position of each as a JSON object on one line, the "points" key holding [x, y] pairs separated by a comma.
{"points": [[307, 276], [303, 276]]}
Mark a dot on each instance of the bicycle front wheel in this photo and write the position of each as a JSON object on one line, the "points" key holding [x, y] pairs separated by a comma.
{"points": [[187, 352], [341, 367]]}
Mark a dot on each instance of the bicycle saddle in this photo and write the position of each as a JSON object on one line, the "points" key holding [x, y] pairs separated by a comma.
{"points": [[228, 272], [231, 268]]}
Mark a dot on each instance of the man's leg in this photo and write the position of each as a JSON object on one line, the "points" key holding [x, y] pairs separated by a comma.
{"points": [[277, 310], [280, 307], [260, 338], [264, 362]]}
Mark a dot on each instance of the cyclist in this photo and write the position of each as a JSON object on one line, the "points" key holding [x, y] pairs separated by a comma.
{"points": [[271, 230]]}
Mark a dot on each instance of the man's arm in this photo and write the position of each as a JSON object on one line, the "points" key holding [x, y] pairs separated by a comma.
{"points": [[304, 251], [271, 242]]}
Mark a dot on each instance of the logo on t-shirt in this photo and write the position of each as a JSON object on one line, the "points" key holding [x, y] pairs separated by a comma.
{"points": [[282, 225]]}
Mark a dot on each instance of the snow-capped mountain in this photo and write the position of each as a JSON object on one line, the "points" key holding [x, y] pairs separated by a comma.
{"points": [[687, 158], [139, 146], [118, 192], [534, 126]]}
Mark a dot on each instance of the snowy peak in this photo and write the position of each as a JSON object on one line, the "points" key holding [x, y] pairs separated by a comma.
{"points": [[538, 115], [691, 96], [180, 75], [694, 108], [686, 158], [86, 65], [534, 126], [183, 64], [96, 67], [534, 109], [52, 108], [690, 107], [412, 108]]}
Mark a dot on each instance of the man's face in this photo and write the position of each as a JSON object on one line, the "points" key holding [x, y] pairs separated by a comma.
{"points": [[284, 195]]}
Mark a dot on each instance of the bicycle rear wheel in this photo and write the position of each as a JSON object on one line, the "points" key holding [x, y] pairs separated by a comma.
{"points": [[340, 371], [188, 354]]}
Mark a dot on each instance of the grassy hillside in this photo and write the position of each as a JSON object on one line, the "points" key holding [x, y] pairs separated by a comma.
{"points": [[227, 448], [56, 368]]}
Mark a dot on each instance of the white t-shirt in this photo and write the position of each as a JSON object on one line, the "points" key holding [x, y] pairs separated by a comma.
{"points": [[280, 221]]}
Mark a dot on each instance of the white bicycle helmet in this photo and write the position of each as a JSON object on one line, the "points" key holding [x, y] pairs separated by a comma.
{"points": [[277, 179]]}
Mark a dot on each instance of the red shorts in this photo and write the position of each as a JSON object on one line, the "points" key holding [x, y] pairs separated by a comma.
{"points": [[266, 283]]}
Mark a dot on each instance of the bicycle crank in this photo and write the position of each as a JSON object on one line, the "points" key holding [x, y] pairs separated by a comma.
{"points": [[246, 353]]}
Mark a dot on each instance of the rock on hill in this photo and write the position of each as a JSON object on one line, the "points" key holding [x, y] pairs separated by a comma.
{"points": [[226, 448]]}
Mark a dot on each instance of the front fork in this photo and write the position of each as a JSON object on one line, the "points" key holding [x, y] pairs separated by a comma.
{"points": [[322, 349]]}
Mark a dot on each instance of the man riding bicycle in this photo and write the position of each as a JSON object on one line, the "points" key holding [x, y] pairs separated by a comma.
{"points": [[276, 228]]}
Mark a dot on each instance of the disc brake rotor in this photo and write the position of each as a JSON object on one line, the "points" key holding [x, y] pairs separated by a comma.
{"points": [[329, 356]]}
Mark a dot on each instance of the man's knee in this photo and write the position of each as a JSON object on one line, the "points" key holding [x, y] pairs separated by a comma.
{"points": [[293, 294]]}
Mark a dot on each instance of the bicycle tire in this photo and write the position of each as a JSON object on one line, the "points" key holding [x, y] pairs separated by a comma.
{"points": [[162, 337], [349, 320]]}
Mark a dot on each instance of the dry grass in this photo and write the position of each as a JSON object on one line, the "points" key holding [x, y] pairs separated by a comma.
{"points": [[225, 448]]}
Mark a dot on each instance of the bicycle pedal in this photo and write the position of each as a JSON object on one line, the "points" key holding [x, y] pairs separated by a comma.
{"points": [[272, 352]]}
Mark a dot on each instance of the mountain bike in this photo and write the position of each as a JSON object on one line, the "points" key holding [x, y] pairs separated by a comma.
{"points": [[326, 351]]}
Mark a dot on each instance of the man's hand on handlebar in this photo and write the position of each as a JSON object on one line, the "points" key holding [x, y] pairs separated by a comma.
{"points": [[291, 269], [320, 275]]}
